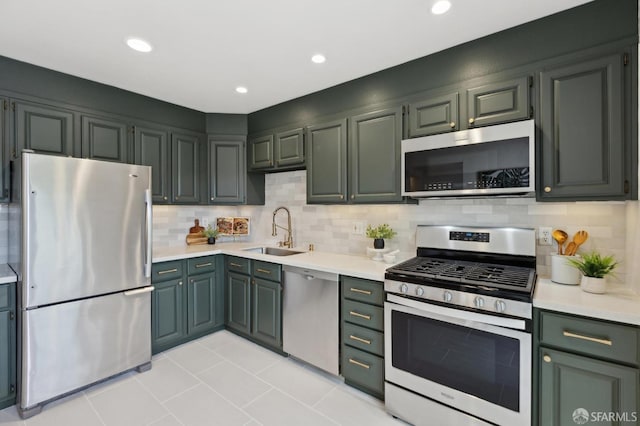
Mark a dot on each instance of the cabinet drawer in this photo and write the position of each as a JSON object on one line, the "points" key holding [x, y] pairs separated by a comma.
{"points": [[5, 299], [363, 290], [592, 337], [363, 338], [266, 270], [363, 314], [363, 369], [238, 264], [167, 271], [200, 265]]}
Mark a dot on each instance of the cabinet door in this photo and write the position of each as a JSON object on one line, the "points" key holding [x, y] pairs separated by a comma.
{"points": [[7, 346], [4, 149], [374, 160], [239, 306], [327, 163], [289, 148], [267, 312], [185, 168], [261, 152], [569, 382], [150, 148], [104, 139], [226, 172], [437, 114], [201, 303], [499, 102], [582, 149], [42, 128], [168, 317]]}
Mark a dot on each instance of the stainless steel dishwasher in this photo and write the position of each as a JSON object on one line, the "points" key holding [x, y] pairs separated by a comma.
{"points": [[310, 317]]}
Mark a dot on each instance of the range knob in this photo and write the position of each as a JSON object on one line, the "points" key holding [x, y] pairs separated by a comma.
{"points": [[447, 296], [404, 288], [419, 291], [501, 306], [478, 302]]}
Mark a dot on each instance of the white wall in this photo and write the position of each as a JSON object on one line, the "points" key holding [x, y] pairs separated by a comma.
{"points": [[329, 227]]}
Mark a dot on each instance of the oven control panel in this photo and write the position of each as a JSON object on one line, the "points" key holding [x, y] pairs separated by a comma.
{"points": [[480, 237]]}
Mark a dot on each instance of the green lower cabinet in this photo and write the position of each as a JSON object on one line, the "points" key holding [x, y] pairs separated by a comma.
{"points": [[168, 326], [573, 385], [266, 312], [201, 303], [7, 345], [239, 306]]}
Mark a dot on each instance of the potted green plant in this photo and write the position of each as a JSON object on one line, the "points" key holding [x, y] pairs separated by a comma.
{"points": [[211, 234], [379, 233], [594, 269]]}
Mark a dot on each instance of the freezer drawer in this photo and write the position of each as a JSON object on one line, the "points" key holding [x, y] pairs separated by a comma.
{"points": [[71, 345]]}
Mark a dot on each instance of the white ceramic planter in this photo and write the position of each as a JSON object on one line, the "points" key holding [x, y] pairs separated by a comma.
{"points": [[593, 285], [562, 272]]}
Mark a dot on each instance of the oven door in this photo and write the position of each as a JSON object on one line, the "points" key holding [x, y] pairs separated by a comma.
{"points": [[466, 360]]}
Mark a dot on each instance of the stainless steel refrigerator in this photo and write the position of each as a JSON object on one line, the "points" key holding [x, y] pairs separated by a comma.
{"points": [[84, 275]]}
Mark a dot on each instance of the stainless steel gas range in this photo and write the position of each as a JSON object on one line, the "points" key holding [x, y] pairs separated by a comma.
{"points": [[458, 328]]}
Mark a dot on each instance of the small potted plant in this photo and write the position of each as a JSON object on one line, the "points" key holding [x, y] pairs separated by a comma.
{"points": [[594, 268], [379, 233], [211, 234]]}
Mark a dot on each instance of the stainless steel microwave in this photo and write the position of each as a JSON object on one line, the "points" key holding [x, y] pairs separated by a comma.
{"points": [[487, 161]]}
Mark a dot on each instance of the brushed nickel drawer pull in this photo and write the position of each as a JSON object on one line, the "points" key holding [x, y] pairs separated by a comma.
{"points": [[590, 339], [264, 271], [358, 314], [202, 265], [359, 364], [168, 271], [359, 339], [357, 290], [237, 265]]}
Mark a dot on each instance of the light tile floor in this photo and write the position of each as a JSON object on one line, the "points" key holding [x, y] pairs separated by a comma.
{"points": [[221, 379]]}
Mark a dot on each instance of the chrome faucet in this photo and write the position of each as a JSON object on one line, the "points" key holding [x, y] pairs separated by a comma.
{"points": [[274, 228]]}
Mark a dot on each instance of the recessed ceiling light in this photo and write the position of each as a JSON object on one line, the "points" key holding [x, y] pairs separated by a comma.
{"points": [[241, 89], [139, 45], [318, 58], [440, 7]]}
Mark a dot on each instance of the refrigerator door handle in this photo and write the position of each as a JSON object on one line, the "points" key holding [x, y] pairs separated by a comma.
{"points": [[137, 291], [148, 233]]}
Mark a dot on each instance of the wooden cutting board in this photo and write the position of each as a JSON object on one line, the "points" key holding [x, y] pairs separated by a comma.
{"points": [[196, 238]]}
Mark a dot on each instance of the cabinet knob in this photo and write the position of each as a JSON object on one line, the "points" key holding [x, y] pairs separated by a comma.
{"points": [[546, 358], [213, 198], [177, 197], [180, 283], [165, 198], [452, 124], [353, 196], [547, 189], [472, 120], [341, 197]]}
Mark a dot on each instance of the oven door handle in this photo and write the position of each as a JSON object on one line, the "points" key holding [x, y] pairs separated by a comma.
{"points": [[460, 314]]}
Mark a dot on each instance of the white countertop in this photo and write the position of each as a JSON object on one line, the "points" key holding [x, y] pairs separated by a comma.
{"points": [[6, 274], [344, 264], [617, 304]]}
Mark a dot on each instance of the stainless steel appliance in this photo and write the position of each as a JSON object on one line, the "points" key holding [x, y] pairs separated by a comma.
{"points": [[458, 327], [493, 160], [84, 276], [310, 329]]}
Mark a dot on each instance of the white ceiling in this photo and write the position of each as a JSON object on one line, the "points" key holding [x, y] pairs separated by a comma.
{"points": [[203, 49]]}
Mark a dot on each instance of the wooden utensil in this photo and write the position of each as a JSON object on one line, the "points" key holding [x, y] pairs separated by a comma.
{"points": [[578, 239], [560, 236], [571, 248]]}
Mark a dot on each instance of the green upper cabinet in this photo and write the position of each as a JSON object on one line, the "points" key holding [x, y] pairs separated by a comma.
{"points": [[582, 150], [186, 152], [8, 347], [43, 128], [4, 149], [279, 150], [434, 114], [104, 139], [499, 102], [327, 162], [261, 152], [226, 170], [289, 148], [151, 148], [374, 156]]}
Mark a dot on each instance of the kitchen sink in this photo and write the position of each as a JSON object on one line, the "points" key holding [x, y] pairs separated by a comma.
{"points": [[273, 251]]}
